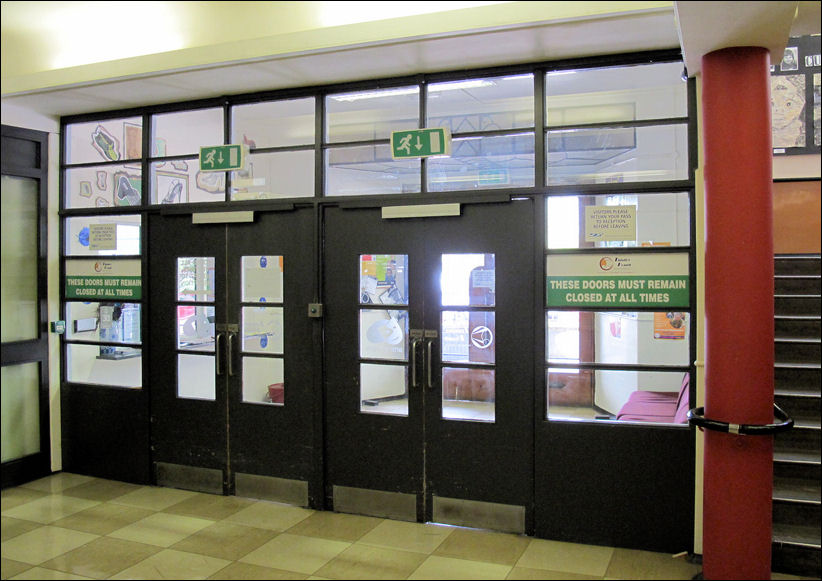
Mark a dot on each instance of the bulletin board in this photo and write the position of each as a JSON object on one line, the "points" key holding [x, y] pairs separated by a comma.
{"points": [[795, 99]]}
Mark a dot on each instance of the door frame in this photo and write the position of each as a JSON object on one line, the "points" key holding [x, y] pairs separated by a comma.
{"points": [[25, 154]]}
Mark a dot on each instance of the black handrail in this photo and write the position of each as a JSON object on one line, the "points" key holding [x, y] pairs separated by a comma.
{"points": [[696, 417]]}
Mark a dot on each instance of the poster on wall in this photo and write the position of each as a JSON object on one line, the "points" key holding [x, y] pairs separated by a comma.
{"points": [[795, 98], [618, 281], [670, 325]]}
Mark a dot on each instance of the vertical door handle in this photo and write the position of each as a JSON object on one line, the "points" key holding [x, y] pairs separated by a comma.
{"points": [[430, 335], [217, 342], [413, 355], [231, 354]]}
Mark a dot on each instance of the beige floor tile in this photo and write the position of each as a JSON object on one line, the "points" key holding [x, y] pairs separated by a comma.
{"points": [[49, 508], [566, 557], [103, 518], [101, 558], [210, 506], [14, 497], [447, 568], [407, 536], [10, 568], [171, 564], [525, 573], [153, 497], [57, 482], [225, 540], [367, 562], [477, 545], [631, 564], [270, 515], [248, 571], [42, 573], [12, 527], [161, 530], [44, 543], [101, 489], [335, 526], [295, 553]]}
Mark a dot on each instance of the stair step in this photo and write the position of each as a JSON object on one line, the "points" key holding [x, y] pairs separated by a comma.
{"points": [[798, 378], [797, 350], [797, 264], [797, 284], [802, 408], [799, 490], [808, 327], [798, 560], [798, 305]]}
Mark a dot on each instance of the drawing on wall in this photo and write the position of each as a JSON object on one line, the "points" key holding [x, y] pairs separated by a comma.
{"points": [[85, 189], [101, 202], [788, 110], [211, 182], [171, 188], [127, 189], [102, 181], [105, 143], [133, 137], [795, 98]]}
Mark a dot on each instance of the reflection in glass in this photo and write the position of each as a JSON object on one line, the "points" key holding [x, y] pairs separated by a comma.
{"points": [[195, 279], [383, 334], [20, 405], [468, 394], [279, 174], [104, 365], [184, 132], [468, 280], [195, 328], [468, 337], [273, 123], [262, 330], [371, 114], [82, 239], [262, 279], [486, 104], [369, 169], [263, 380], [478, 163], [384, 389], [103, 322], [20, 202], [383, 279], [196, 377]]}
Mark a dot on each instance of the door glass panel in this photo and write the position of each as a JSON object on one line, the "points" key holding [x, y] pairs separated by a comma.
{"points": [[103, 235], [383, 279], [360, 170], [262, 330], [486, 104], [113, 365], [184, 132], [108, 140], [263, 380], [196, 377], [383, 334], [262, 279], [371, 114], [179, 181], [274, 123], [384, 389], [468, 280], [20, 201], [195, 279], [104, 186], [20, 411], [468, 337], [468, 394], [103, 322], [280, 174], [195, 328]]}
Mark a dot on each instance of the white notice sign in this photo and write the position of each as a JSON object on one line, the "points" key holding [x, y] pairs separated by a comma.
{"points": [[606, 223]]}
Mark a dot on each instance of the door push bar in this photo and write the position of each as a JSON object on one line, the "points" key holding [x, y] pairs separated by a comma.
{"points": [[696, 417], [418, 336], [225, 335]]}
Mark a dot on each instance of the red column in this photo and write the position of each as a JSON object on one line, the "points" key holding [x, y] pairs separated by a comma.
{"points": [[739, 308]]}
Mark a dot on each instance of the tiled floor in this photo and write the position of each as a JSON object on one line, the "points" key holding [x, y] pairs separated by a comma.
{"points": [[68, 526]]}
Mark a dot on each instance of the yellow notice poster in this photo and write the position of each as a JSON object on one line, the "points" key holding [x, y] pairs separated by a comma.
{"points": [[670, 325]]}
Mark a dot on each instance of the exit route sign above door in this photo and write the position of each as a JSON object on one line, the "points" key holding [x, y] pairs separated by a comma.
{"points": [[420, 143], [223, 157]]}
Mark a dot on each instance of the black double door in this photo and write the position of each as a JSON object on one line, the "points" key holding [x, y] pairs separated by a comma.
{"points": [[231, 373], [429, 364]]}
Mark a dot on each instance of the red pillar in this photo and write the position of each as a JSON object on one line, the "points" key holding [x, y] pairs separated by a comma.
{"points": [[739, 308]]}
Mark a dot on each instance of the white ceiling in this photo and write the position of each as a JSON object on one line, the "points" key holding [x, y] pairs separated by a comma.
{"points": [[697, 27]]}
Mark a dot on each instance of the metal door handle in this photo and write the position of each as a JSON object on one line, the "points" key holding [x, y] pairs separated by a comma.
{"points": [[429, 362], [414, 344], [231, 354], [217, 342]]}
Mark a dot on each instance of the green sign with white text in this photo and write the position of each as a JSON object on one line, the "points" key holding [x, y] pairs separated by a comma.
{"points": [[420, 143]]}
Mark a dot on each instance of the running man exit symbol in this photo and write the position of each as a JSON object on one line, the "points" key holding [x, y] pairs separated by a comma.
{"points": [[420, 143]]}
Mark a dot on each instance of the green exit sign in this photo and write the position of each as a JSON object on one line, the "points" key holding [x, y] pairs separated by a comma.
{"points": [[223, 157], [420, 142]]}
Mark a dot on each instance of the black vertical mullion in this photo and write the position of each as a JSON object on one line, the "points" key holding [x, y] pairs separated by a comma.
{"points": [[540, 160], [422, 122]]}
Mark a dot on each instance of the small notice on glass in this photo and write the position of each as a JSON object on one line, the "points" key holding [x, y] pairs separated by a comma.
{"points": [[102, 237], [607, 223]]}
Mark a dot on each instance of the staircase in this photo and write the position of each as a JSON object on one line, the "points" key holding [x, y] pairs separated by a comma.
{"points": [[796, 469]]}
